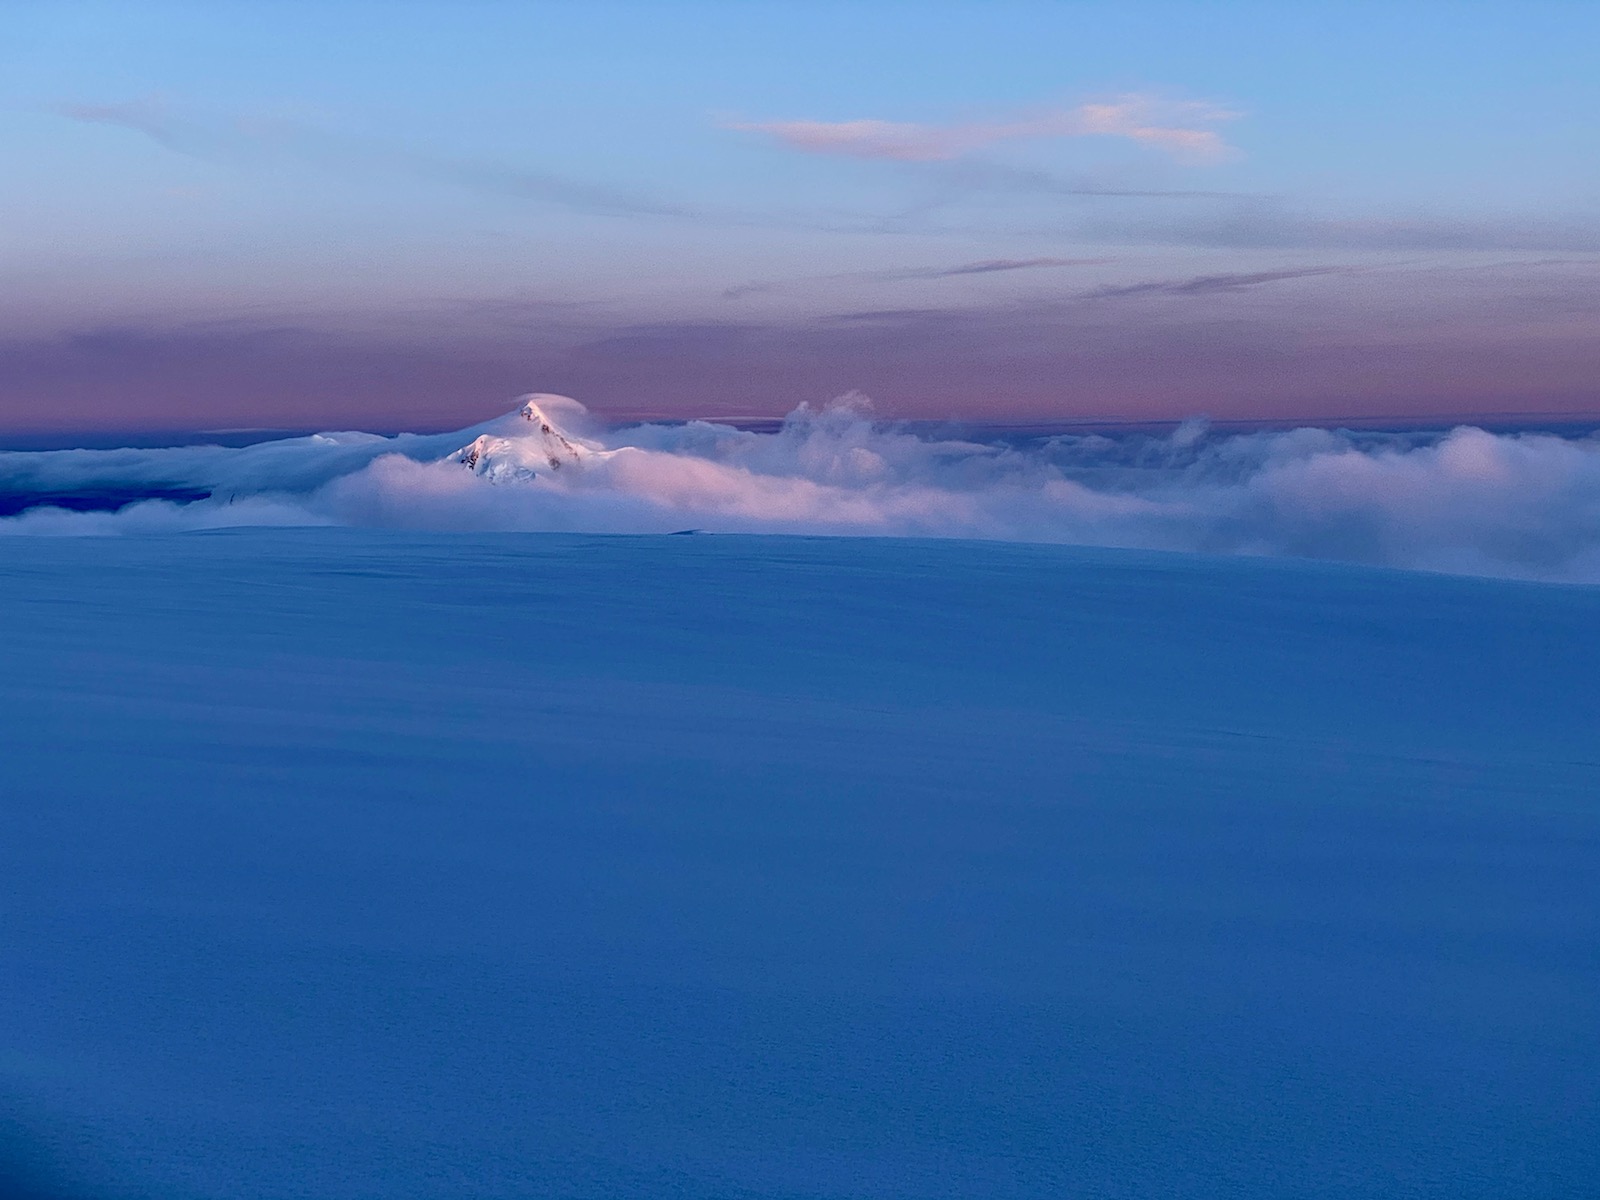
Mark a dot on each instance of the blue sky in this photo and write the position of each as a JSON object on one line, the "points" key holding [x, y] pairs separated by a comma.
{"points": [[400, 214]]}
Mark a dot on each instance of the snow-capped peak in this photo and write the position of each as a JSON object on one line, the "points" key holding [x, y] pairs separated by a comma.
{"points": [[526, 442]]}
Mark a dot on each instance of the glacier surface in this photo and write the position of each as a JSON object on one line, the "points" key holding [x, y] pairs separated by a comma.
{"points": [[344, 863]]}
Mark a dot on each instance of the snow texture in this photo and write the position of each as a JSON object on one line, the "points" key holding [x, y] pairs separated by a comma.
{"points": [[1463, 500], [344, 863]]}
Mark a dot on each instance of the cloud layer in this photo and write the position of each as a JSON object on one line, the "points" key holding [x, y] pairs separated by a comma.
{"points": [[1464, 500]]}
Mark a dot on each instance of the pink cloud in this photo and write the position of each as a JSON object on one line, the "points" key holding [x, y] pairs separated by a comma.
{"points": [[1181, 128]]}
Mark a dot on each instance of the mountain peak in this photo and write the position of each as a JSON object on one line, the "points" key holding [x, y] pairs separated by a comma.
{"points": [[525, 442]]}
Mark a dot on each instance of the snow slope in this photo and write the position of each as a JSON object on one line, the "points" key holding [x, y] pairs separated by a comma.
{"points": [[348, 864]]}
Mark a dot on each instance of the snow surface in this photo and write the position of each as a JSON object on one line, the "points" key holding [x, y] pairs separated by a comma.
{"points": [[353, 864], [1463, 500]]}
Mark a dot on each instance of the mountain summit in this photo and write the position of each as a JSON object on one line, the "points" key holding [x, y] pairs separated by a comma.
{"points": [[525, 442]]}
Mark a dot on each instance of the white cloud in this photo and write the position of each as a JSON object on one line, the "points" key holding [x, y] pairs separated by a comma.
{"points": [[1466, 501]]}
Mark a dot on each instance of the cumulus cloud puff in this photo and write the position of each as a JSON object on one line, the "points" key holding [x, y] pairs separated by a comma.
{"points": [[1463, 500]]}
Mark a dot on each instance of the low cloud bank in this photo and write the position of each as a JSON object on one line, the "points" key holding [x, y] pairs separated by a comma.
{"points": [[1465, 500]]}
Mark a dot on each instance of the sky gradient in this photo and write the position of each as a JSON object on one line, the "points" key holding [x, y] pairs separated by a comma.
{"points": [[229, 216]]}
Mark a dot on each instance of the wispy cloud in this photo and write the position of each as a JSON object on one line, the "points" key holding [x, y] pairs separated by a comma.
{"points": [[258, 138], [990, 266], [978, 175], [149, 115], [1272, 223], [987, 266], [1184, 129], [1211, 285]]}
